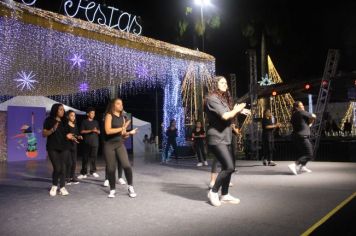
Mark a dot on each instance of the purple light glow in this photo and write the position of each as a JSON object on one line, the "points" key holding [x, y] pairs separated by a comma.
{"points": [[84, 87]]}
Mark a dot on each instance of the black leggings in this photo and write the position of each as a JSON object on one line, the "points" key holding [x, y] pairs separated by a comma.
{"points": [[304, 149], [267, 148], [72, 162], [119, 171], [199, 149], [59, 160], [90, 155], [223, 154], [116, 151], [214, 165]]}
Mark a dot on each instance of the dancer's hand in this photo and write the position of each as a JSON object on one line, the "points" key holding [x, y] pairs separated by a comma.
{"points": [[134, 131], [239, 107], [246, 112]]}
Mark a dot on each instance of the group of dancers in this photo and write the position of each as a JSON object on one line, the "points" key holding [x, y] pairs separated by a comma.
{"points": [[63, 137]]}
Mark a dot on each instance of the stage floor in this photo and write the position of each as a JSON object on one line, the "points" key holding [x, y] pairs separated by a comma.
{"points": [[172, 200]]}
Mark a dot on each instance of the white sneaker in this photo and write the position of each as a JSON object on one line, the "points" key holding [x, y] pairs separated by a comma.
{"points": [[82, 176], [305, 169], [111, 194], [96, 175], [122, 181], [106, 183], [293, 168], [229, 199], [214, 198], [131, 191], [63, 191], [53, 191], [199, 164], [206, 163]]}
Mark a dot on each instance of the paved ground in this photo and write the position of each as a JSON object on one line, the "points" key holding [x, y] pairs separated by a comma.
{"points": [[172, 201]]}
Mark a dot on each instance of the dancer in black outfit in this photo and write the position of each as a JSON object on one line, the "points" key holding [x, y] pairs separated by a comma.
{"points": [[172, 134], [219, 113], [301, 121], [114, 148], [90, 130], [268, 127], [198, 136], [58, 135], [72, 160]]}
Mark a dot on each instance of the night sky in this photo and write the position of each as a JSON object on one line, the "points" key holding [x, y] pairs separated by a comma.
{"points": [[298, 33]]}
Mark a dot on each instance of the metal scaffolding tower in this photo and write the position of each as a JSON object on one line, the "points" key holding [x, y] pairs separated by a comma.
{"points": [[324, 94]]}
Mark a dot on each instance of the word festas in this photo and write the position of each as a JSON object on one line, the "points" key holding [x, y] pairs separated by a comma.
{"points": [[94, 12]]}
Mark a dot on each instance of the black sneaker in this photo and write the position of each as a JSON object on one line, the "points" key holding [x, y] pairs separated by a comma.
{"points": [[74, 181]]}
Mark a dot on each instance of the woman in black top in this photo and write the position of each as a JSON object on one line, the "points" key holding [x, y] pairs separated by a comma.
{"points": [[58, 135], [268, 126], [115, 127], [198, 136], [172, 134], [72, 162], [301, 121], [220, 112]]}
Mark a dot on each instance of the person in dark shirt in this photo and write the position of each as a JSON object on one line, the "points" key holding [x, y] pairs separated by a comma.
{"points": [[58, 144], [220, 112], [115, 127], [172, 134], [90, 130], [198, 136], [301, 121], [268, 127], [347, 127], [72, 162]]}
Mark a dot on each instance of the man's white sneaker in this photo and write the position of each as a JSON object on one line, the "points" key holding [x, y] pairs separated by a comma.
{"points": [[106, 183], [206, 163], [199, 164], [63, 191], [293, 168], [229, 199], [82, 176], [53, 191], [131, 191], [305, 169], [111, 194], [214, 198], [122, 181], [96, 175]]}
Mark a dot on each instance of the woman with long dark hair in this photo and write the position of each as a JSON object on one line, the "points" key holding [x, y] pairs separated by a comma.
{"points": [[55, 128], [172, 134], [115, 126], [72, 160], [301, 121], [220, 112]]}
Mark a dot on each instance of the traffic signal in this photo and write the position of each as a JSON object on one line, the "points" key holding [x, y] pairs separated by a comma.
{"points": [[274, 93]]}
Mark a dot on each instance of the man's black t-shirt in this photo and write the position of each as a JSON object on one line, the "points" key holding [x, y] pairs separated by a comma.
{"points": [[57, 140], [92, 138], [300, 122], [267, 134], [197, 138]]}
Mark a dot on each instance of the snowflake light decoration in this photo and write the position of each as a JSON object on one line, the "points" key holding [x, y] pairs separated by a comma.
{"points": [[265, 81], [84, 87], [77, 60], [25, 80]]}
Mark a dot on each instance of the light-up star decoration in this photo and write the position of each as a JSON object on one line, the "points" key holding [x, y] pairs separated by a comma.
{"points": [[25, 81], [84, 87], [77, 60], [265, 81]]}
